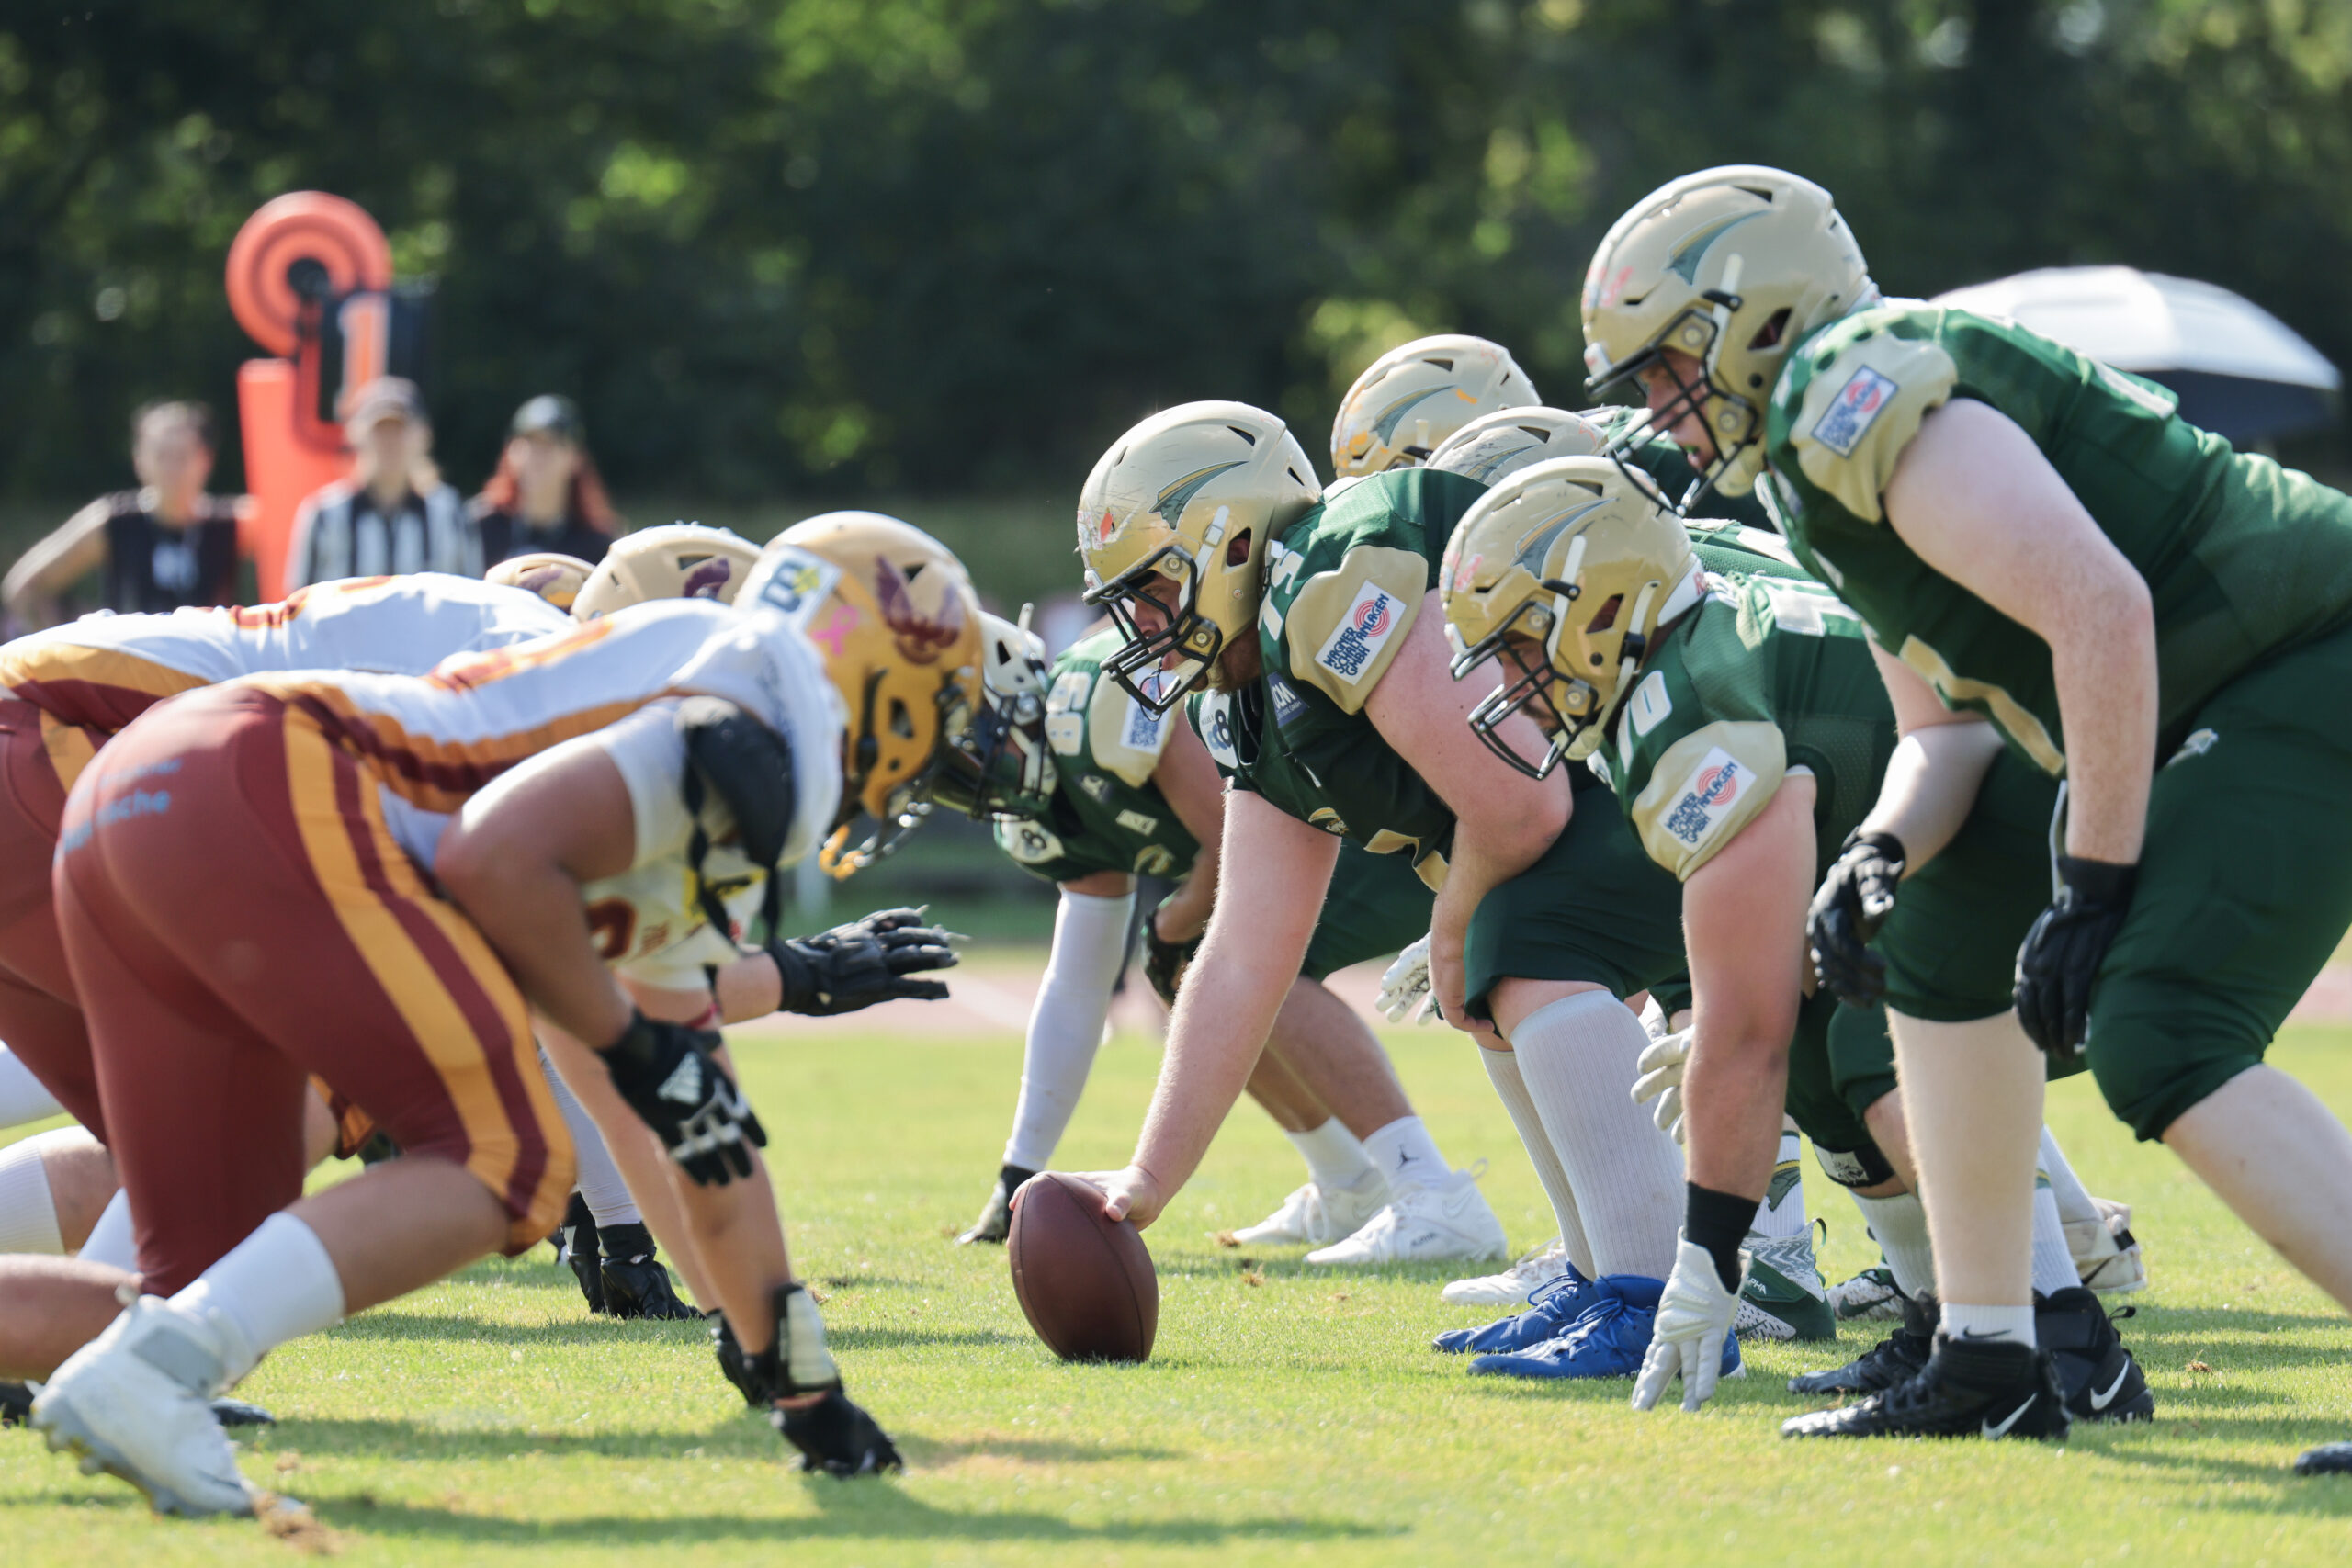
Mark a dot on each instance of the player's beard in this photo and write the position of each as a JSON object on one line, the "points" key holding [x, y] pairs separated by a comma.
{"points": [[1237, 663]]}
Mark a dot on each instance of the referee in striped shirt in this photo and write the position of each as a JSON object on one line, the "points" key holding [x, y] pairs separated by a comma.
{"points": [[395, 513]]}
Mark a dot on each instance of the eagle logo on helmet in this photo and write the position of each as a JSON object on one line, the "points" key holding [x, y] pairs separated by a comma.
{"points": [[709, 579], [922, 637], [539, 578], [1170, 507], [1385, 427]]}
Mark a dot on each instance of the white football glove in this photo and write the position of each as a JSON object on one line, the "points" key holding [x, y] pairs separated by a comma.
{"points": [[1405, 989], [1695, 1318], [1661, 1069], [1654, 1022]]}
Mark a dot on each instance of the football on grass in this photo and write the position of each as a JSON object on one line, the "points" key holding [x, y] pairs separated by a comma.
{"points": [[1086, 1283]]}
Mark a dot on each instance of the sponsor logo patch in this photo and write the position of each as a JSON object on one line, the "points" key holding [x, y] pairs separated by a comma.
{"points": [[1708, 796], [1370, 622], [1096, 785], [1136, 822], [1328, 820], [1145, 728], [1288, 703], [1154, 860], [1856, 408]]}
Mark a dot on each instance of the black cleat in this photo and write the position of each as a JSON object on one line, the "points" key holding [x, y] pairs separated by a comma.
{"points": [[636, 1284], [1966, 1390], [2328, 1459], [995, 1223], [16, 1405], [2096, 1374], [577, 1244], [837, 1438], [1896, 1358]]}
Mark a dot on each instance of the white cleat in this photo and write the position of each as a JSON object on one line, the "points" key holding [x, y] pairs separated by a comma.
{"points": [[2107, 1255], [137, 1402], [1516, 1285], [1424, 1225], [1869, 1297], [1316, 1216]]}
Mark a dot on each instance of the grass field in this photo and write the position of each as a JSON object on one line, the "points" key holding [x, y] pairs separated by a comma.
{"points": [[1290, 1415]]}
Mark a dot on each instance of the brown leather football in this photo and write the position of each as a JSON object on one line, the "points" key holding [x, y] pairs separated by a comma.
{"points": [[1086, 1285]]}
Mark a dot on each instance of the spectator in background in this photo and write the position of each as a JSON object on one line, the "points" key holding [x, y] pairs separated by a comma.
{"points": [[395, 513], [164, 545], [547, 495]]}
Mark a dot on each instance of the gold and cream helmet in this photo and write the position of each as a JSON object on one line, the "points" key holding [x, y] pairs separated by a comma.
{"points": [[1410, 399], [891, 612], [554, 577], [1177, 514], [1492, 448], [1734, 267], [1000, 768], [678, 560], [1562, 573]]}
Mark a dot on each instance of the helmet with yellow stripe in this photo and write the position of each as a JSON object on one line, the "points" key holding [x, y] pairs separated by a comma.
{"points": [[1562, 573], [1410, 399], [891, 612], [678, 560]]}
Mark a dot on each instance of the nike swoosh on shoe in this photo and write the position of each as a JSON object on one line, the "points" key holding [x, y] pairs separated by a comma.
{"points": [[2014, 1416], [2102, 1400]]}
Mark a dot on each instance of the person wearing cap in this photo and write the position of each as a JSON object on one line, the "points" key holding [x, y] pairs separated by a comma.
{"points": [[547, 495], [395, 513], [164, 545]]}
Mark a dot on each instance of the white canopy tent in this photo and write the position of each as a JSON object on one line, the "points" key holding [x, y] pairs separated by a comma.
{"points": [[2239, 370]]}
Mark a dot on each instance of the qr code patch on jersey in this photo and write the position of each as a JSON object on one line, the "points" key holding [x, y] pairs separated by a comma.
{"points": [[1707, 797], [1856, 408]]}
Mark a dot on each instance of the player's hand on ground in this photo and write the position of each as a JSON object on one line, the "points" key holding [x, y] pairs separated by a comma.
{"points": [[1165, 958], [1661, 1066], [1853, 902], [670, 1076], [2059, 960], [1695, 1318], [1131, 1193], [1405, 995], [868, 960]]}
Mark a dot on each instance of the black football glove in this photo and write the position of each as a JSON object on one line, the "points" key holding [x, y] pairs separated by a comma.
{"points": [[2059, 960], [865, 962], [1853, 902], [832, 1434], [670, 1077], [1164, 961]]}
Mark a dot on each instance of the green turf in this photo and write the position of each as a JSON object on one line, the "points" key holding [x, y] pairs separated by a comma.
{"points": [[1289, 1415]]}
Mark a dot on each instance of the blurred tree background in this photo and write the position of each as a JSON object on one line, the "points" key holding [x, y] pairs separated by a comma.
{"points": [[918, 247]]}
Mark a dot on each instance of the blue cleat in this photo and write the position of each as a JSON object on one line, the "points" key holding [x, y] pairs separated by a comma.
{"points": [[1556, 1303], [1608, 1339]]}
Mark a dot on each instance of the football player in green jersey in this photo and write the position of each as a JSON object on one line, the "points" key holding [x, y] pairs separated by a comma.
{"points": [[2038, 542], [1743, 726], [1120, 792]]}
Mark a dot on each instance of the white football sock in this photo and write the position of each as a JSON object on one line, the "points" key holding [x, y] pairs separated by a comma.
{"points": [[22, 1099], [1781, 1214], [1333, 1156], [1982, 1325], [278, 1284], [2075, 1204], [1065, 1021], [112, 1240], [1578, 1056], [1899, 1225], [1502, 1071], [1406, 1156], [27, 1211], [599, 1180], [2054, 1261]]}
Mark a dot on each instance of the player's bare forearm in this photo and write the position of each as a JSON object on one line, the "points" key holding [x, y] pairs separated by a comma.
{"points": [[1743, 915], [1503, 819], [1932, 779], [1255, 943], [746, 988], [1976, 498]]}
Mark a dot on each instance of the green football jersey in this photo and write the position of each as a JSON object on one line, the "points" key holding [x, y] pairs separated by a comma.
{"points": [[1106, 815], [1765, 677], [2241, 558]]}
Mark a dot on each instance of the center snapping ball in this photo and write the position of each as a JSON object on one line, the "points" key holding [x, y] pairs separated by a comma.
{"points": [[1086, 1283]]}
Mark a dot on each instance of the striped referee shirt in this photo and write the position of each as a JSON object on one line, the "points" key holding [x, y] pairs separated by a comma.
{"points": [[341, 531]]}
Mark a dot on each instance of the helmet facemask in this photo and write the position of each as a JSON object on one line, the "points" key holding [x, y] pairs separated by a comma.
{"points": [[1734, 422], [998, 767], [1140, 664]]}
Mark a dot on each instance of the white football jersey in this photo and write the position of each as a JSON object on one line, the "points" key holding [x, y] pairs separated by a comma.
{"points": [[103, 670]]}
